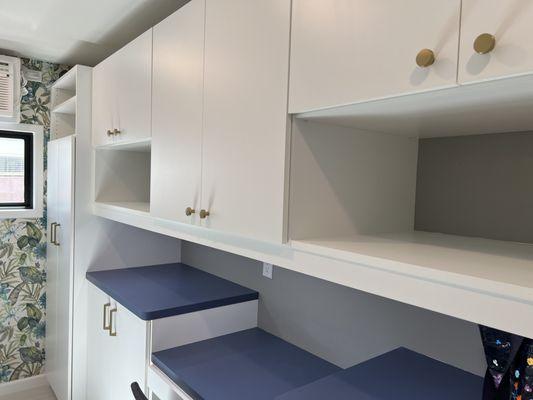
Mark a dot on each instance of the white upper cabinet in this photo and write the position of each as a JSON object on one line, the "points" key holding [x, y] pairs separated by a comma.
{"points": [[348, 51], [509, 24], [102, 111], [245, 117], [177, 114], [122, 86]]}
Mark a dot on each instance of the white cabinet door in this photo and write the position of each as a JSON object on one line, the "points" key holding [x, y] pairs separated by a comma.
{"points": [[177, 113], [132, 73], [122, 93], [347, 51], [114, 361], [102, 104], [130, 353], [60, 267], [245, 116], [509, 21], [52, 266], [100, 369]]}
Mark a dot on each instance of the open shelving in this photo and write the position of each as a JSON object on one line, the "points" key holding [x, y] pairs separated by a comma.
{"points": [[432, 187], [64, 105], [122, 176]]}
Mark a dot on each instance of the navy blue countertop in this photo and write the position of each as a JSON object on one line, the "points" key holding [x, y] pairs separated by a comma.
{"points": [[400, 375], [249, 364], [161, 291]]}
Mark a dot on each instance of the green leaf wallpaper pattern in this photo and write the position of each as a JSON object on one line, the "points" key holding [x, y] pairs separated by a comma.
{"points": [[23, 254]]}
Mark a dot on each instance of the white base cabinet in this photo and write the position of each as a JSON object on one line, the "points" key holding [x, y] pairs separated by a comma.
{"points": [[120, 344], [118, 354]]}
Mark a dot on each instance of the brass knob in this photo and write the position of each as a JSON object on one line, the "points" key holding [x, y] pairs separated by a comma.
{"points": [[484, 43], [116, 132], [425, 58], [109, 133], [189, 211], [204, 214]]}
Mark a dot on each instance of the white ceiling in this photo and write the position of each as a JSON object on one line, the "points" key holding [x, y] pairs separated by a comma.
{"points": [[76, 31]]}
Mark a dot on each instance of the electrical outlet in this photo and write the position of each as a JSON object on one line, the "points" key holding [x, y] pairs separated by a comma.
{"points": [[267, 270]]}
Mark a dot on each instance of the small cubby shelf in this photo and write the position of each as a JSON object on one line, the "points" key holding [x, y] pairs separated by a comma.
{"points": [[122, 177]]}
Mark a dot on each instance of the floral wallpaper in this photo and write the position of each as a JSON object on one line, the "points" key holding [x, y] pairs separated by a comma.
{"points": [[23, 254]]}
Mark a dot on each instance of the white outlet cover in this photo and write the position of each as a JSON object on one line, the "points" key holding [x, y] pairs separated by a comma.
{"points": [[267, 270]]}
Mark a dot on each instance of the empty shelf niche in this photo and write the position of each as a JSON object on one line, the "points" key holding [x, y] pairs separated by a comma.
{"points": [[453, 208], [122, 178]]}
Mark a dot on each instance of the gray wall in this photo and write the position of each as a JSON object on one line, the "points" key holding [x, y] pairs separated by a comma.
{"points": [[342, 325], [477, 186]]}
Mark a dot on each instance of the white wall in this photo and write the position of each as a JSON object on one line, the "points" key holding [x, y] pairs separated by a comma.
{"points": [[342, 325]]}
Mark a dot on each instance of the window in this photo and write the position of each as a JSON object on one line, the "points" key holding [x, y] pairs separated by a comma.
{"points": [[16, 170], [21, 171]]}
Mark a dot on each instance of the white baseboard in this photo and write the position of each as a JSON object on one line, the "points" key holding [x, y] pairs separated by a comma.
{"points": [[23, 384]]}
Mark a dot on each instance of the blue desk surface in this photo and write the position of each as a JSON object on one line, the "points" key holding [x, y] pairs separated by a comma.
{"points": [[399, 375], [161, 291], [250, 364]]}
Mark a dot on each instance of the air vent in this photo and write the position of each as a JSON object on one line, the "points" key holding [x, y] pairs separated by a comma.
{"points": [[9, 89]]}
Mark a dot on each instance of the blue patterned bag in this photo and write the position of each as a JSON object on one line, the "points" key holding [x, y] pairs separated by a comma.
{"points": [[509, 365]]}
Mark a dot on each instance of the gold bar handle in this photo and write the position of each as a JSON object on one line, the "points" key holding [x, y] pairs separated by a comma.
{"points": [[52, 232], [55, 234], [111, 313], [106, 326]]}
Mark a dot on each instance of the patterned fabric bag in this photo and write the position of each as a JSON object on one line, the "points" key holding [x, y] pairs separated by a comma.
{"points": [[510, 365]]}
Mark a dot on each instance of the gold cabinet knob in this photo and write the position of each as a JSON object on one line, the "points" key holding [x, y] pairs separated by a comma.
{"points": [[116, 132], [484, 43], [109, 133], [189, 211], [425, 58], [204, 214]]}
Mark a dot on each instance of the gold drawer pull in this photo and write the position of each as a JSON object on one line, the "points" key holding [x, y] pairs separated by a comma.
{"points": [[189, 211]]}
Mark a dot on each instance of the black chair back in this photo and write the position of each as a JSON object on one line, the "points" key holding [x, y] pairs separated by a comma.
{"points": [[137, 392]]}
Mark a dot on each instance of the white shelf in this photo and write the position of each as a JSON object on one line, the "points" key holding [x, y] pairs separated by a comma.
{"points": [[488, 107], [67, 81], [66, 107], [135, 208], [142, 145], [496, 267]]}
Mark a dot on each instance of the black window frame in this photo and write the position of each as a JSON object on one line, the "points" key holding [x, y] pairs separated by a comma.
{"points": [[28, 168]]}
